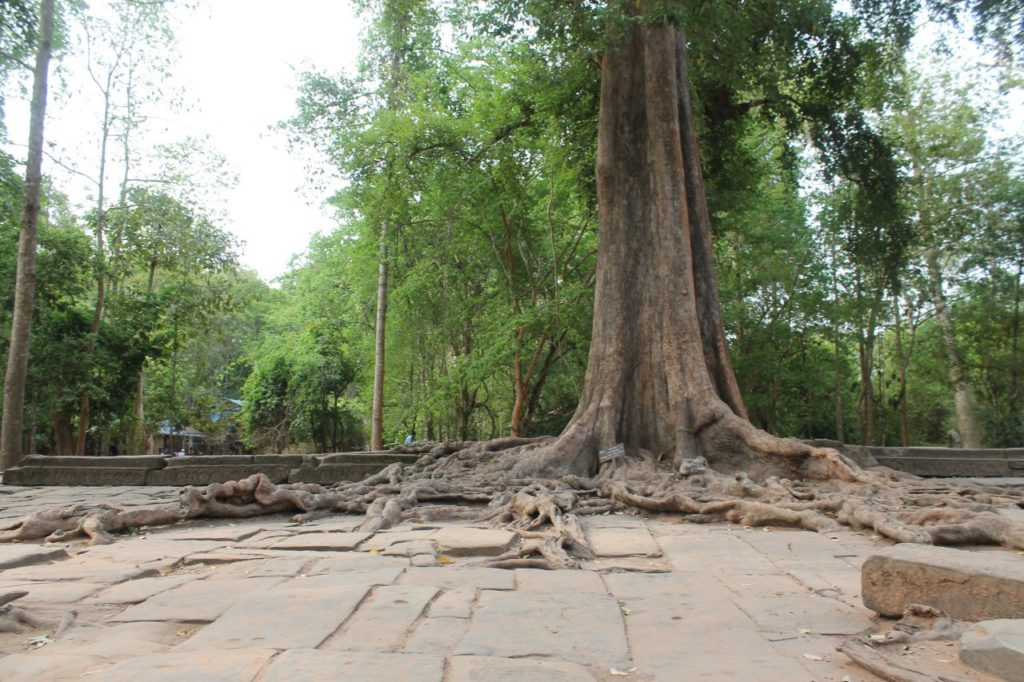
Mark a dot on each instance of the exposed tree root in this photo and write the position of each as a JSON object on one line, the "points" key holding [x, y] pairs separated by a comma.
{"points": [[498, 482], [918, 624], [13, 619]]}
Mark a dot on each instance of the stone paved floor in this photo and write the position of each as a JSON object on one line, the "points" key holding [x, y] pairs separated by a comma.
{"points": [[264, 599]]}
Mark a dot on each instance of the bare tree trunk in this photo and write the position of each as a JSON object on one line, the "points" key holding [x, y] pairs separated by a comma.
{"points": [[376, 437], [1015, 389], [901, 361], [25, 282], [658, 376], [966, 423], [138, 441]]}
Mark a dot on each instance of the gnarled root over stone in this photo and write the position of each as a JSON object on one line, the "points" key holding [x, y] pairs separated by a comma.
{"points": [[491, 482]]}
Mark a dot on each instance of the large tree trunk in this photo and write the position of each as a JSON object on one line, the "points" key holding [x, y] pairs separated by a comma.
{"points": [[25, 279], [966, 423], [658, 376], [377, 430]]}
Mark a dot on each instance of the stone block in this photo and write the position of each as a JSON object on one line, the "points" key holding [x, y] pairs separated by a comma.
{"points": [[436, 635], [380, 459], [469, 541], [332, 473], [583, 628], [15, 556], [619, 536], [448, 578], [209, 460], [331, 542], [304, 664], [119, 462], [242, 665], [193, 474], [283, 460], [473, 668], [966, 585], [382, 622], [53, 475], [947, 466], [32, 667], [136, 591], [199, 601], [995, 647], [297, 615]]}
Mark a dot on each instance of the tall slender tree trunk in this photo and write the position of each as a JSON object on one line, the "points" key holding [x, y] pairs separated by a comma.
{"points": [[139, 429], [1015, 371], [902, 360], [966, 423], [658, 376], [377, 437], [25, 278], [101, 280]]}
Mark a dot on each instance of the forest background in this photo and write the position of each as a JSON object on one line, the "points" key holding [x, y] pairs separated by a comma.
{"points": [[460, 153]]}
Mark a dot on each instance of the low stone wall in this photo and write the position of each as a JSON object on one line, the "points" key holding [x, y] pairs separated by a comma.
{"points": [[355, 466], [939, 462], [200, 469]]}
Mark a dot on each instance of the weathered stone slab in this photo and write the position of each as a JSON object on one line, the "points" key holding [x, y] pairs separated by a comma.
{"points": [[360, 565], [968, 586], [95, 476], [285, 460], [115, 641], [584, 628], [83, 570], [332, 524], [330, 542], [136, 591], [302, 664], [456, 603], [223, 557], [241, 665], [436, 635], [119, 462], [285, 567], [209, 460], [423, 560], [685, 622], [332, 473], [382, 622], [783, 617], [15, 556], [41, 665], [476, 668], [947, 466], [995, 647], [198, 601], [469, 541], [449, 578], [536, 580], [378, 459], [150, 551], [64, 592], [297, 615], [193, 474], [226, 533], [412, 548], [382, 540]]}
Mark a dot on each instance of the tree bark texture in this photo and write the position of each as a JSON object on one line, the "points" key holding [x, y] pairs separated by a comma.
{"points": [[966, 423], [25, 282], [377, 429], [659, 377]]}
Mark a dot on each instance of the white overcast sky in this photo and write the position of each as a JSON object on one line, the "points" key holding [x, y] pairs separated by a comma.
{"points": [[237, 67]]}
